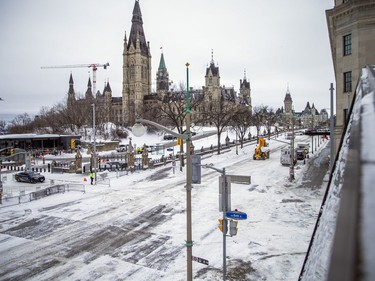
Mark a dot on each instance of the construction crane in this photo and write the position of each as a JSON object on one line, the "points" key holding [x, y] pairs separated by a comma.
{"points": [[94, 67]]}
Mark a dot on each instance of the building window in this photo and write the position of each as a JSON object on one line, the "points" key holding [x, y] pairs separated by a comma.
{"points": [[347, 45], [347, 82], [132, 71]]}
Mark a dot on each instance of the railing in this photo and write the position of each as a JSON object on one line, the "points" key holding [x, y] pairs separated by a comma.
{"points": [[12, 198], [342, 245]]}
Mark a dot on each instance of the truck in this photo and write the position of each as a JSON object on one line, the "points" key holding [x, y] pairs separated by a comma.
{"points": [[285, 158], [262, 151], [302, 150], [304, 146]]}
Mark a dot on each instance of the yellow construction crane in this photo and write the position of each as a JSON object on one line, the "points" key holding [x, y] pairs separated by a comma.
{"points": [[94, 67]]}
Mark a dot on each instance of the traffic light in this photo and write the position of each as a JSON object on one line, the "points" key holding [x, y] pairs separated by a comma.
{"points": [[72, 143], [179, 141], [221, 225], [233, 227], [12, 151]]}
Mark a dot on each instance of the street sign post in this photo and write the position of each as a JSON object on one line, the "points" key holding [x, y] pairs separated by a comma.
{"points": [[236, 215], [240, 179], [224, 193], [200, 260]]}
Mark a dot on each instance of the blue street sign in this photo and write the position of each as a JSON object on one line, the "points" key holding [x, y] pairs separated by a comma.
{"points": [[170, 149], [236, 215]]}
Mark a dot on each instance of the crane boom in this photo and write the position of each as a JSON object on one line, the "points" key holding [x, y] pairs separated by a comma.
{"points": [[94, 67]]}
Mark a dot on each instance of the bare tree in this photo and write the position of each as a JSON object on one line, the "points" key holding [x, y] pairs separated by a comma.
{"points": [[219, 114], [172, 108], [259, 117], [21, 124], [241, 122], [271, 119], [3, 126]]}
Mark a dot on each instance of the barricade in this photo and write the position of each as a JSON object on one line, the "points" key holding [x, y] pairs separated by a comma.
{"points": [[47, 191]]}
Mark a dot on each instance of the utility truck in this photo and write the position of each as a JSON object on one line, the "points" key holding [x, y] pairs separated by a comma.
{"points": [[285, 157], [262, 151]]}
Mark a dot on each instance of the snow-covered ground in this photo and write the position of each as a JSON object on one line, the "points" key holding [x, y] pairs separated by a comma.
{"points": [[135, 228]]}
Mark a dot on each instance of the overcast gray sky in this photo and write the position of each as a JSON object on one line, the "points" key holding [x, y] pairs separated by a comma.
{"points": [[277, 42]]}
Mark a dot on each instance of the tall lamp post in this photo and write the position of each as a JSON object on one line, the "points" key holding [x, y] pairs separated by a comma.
{"points": [[94, 136], [291, 172], [138, 130]]}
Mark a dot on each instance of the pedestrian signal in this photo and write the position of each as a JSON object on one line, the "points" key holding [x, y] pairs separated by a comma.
{"points": [[196, 169], [12, 151], [233, 227]]}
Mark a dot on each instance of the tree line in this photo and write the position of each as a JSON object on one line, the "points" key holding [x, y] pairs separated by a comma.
{"points": [[171, 112]]}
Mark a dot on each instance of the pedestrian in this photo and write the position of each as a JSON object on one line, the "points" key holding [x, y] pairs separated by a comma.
{"points": [[92, 177]]}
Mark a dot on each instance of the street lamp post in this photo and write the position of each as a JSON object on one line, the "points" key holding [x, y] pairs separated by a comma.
{"points": [[138, 130], [189, 241], [331, 130], [94, 139], [291, 173]]}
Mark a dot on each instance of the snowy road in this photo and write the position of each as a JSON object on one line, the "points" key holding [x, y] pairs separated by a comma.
{"points": [[135, 229]]}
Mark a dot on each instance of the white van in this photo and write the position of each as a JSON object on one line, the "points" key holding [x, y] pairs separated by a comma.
{"points": [[304, 145]]}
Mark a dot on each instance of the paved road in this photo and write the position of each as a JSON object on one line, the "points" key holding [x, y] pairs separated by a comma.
{"points": [[125, 231]]}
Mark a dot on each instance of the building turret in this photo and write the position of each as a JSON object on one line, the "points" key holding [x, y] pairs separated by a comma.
{"points": [[162, 76], [88, 94], [212, 90], [107, 93], [288, 103], [136, 69], [212, 76], [71, 92], [245, 92]]}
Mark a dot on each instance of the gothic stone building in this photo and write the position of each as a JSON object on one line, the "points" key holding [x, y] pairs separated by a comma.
{"points": [[136, 86]]}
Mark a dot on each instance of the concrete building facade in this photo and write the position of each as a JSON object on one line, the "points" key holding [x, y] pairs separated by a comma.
{"points": [[351, 25]]}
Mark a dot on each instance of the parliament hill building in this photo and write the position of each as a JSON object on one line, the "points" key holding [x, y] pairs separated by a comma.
{"points": [[137, 95]]}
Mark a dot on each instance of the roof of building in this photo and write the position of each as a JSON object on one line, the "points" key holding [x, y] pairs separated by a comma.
{"points": [[136, 31]]}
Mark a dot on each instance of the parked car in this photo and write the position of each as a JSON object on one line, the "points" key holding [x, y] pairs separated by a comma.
{"points": [[114, 165], [122, 148], [31, 177], [169, 137]]}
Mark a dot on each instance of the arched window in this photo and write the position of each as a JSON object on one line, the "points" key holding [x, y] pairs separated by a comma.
{"points": [[132, 71]]}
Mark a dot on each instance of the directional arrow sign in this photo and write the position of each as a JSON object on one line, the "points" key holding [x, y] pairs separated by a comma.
{"points": [[236, 215]]}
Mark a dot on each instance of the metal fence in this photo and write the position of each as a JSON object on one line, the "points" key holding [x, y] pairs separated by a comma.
{"points": [[19, 195]]}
